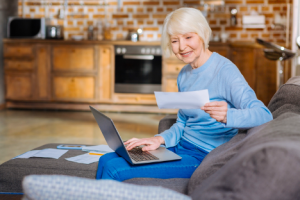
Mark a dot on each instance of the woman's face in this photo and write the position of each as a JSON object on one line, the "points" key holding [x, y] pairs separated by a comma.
{"points": [[188, 48]]}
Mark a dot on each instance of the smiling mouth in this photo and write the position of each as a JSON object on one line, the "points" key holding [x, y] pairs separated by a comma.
{"points": [[185, 54]]}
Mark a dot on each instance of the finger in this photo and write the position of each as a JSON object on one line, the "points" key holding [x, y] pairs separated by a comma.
{"points": [[150, 147], [215, 109], [215, 104], [217, 113], [130, 140], [138, 143], [218, 118]]}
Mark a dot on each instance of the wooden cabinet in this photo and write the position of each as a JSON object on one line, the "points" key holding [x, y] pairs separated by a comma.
{"points": [[72, 75], [244, 59], [73, 88], [259, 72], [27, 72], [106, 73], [73, 58], [19, 86]]}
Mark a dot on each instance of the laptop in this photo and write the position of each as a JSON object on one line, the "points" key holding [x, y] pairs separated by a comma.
{"points": [[135, 156]]}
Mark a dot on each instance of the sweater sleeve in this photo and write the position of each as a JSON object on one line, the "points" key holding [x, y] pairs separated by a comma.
{"points": [[173, 135], [246, 110]]}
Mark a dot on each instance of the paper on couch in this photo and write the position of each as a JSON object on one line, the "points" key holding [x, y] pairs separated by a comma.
{"points": [[84, 158], [99, 148], [182, 100]]}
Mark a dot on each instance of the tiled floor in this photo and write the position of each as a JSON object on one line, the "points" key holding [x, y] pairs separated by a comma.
{"points": [[23, 130]]}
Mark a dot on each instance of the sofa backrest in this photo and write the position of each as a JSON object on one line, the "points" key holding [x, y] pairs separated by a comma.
{"points": [[285, 104], [287, 98]]}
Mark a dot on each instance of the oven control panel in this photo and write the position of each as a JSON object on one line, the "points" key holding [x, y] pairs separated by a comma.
{"points": [[138, 50]]}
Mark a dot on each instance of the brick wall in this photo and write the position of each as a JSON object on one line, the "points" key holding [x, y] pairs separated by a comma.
{"points": [[149, 15]]}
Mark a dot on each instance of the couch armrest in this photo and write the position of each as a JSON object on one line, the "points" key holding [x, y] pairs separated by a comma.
{"points": [[166, 122]]}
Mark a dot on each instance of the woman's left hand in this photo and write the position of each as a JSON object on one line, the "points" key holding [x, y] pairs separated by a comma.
{"points": [[217, 110]]}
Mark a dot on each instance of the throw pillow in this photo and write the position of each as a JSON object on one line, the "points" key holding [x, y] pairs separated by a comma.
{"points": [[56, 187]]}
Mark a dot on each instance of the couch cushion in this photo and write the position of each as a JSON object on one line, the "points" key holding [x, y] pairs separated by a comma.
{"points": [[13, 171], [215, 160], [283, 130], [55, 187], [267, 171], [176, 184]]}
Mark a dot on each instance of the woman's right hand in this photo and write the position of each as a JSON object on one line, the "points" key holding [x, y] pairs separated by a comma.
{"points": [[150, 143]]}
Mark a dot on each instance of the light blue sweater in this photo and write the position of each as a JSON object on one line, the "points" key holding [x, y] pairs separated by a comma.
{"points": [[224, 83]]}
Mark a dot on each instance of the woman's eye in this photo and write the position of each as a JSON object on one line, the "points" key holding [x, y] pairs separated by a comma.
{"points": [[174, 41], [188, 37]]}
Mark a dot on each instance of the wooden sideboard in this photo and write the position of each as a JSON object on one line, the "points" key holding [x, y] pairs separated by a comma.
{"points": [[72, 75]]}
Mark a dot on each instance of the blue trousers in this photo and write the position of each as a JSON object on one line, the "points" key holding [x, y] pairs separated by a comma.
{"points": [[112, 166]]}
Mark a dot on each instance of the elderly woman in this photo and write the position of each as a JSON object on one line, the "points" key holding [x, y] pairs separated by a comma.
{"points": [[233, 104]]}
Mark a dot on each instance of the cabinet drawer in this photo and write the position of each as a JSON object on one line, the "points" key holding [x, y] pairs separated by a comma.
{"points": [[77, 88], [170, 85], [18, 86], [18, 64], [18, 51], [173, 68], [135, 98], [73, 58]]}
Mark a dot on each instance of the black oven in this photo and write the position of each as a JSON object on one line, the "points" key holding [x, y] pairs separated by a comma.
{"points": [[138, 69]]}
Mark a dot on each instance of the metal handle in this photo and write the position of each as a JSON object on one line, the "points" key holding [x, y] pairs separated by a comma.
{"points": [[139, 57]]}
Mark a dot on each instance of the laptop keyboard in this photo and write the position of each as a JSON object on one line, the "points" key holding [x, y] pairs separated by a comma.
{"points": [[137, 154]]}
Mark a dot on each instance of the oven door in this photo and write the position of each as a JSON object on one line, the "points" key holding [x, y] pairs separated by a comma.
{"points": [[138, 73]]}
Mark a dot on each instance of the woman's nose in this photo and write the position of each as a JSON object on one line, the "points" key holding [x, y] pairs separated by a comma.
{"points": [[182, 45]]}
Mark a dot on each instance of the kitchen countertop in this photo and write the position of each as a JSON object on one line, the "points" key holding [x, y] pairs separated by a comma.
{"points": [[247, 44]]}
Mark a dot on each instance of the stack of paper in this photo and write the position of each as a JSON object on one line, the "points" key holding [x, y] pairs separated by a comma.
{"points": [[99, 148], [45, 153], [85, 158]]}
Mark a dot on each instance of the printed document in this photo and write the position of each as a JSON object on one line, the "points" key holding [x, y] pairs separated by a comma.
{"points": [[84, 158], [182, 100], [45, 153], [99, 148]]}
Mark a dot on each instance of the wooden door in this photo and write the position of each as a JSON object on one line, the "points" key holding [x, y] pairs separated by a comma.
{"points": [[106, 73], [73, 58], [244, 59], [266, 72], [19, 86], [74, 88]]}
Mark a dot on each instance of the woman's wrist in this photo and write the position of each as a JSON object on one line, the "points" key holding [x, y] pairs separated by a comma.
{"points": [[160, 139]]}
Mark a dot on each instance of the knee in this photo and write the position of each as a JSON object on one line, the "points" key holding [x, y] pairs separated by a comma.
{"points": [[110, 171]]}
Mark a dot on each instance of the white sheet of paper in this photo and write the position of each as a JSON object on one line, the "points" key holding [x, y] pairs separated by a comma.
{"points": [[98, 148], [50, 153], [182, 100], [84, 158], [28, 154]]}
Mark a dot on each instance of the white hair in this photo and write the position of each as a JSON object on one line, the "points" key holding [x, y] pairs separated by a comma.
{"points": [[182, 21]]}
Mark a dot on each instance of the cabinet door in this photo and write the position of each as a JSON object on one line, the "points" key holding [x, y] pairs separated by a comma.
{"points": [[244, 59], [173, 67], [73, 58], [170, 84], [17, 64], [75, 88], [18, 51], [135, 98], [19, 86], [266, 72], [106, 62], [222, 50]]}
